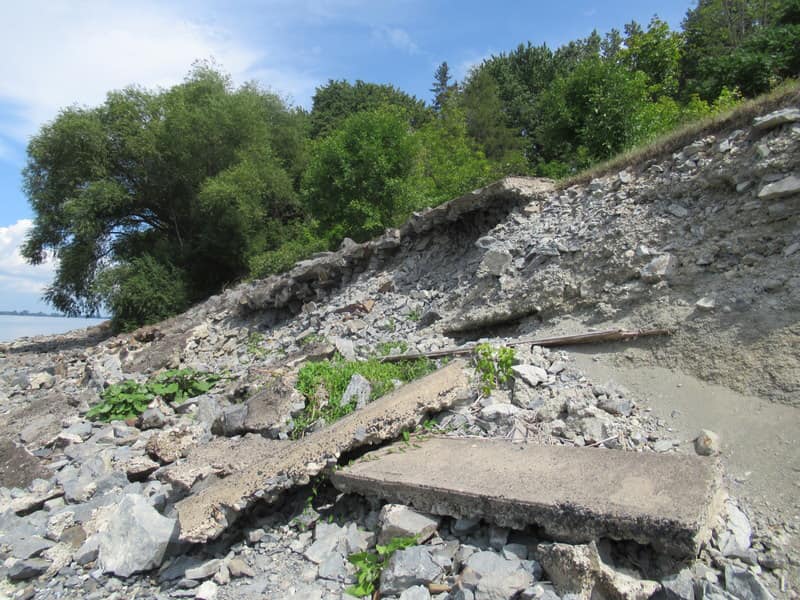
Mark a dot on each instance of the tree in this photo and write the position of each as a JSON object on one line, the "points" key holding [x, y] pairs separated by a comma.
{"points": [[338, 99], [179, 181], [442, 88], [356, 183], [656, 53]]}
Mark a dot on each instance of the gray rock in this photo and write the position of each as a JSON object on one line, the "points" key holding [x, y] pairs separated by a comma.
{"points": [[152, 418], [397, 520], [418, 592], [461, 527], [27, 569], [679, 586], [407, 568], [515, 551], [24, 547], [345, 347], [204, 571], [136, 539], [776, 118], [530, 374], [88, 551], [745, 585], [788, 186], [328, 538], [206, 591], [335, 568], [239, 568], [209, 413], [705, 303], [494, 262], [707, 443], [492, 577], [734, 540], [233, 419], [358, 389], [658, 269]]}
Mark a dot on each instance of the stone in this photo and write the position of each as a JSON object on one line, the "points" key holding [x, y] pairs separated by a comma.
{"points": [[29, 568], [239, 568], [88, 551], [397, 520], [788, 186], [233, 419], [140, 468], [734, 540], [705, 303], [345, 347], [707, 443], [660, 268], [492, 577], [679, 586], [418, 592], [206, 591], [530, 374], [494, 262], [335, 568], [152, 418], [204, 571], [776, 118], [359, 389], [407, 568], [744, 584], [328, 538], [136, 539]]}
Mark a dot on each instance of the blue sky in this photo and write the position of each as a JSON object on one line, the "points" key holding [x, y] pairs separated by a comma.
{"points": [[62, 52]]}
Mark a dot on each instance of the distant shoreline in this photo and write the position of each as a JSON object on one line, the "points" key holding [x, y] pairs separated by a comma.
{"points": [[25, 313]]}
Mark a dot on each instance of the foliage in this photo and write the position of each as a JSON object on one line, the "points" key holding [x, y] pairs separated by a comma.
{"points": [[442, 88], [493, 366], [387, 348], [370, 565], [337, 100], [356, 184], [184, 181], [323, 384], [129, 398], [656, 53], [254, 347]]}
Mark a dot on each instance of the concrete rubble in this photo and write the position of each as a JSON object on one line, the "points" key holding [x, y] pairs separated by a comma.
{"points": [[214, 498]]}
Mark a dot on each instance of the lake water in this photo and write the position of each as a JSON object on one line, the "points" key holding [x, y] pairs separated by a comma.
{"points": [[13, 327]]}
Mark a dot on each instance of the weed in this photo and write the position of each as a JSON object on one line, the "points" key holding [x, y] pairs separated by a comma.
{"points": [[369, 565], [254, 347], [415, 315], [129, 398], [323, 384], [312, 338], [494, 366], [386, 348]]}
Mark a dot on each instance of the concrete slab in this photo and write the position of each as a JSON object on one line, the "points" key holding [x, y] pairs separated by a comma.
{"points": [[574, 494], [207, 513]]}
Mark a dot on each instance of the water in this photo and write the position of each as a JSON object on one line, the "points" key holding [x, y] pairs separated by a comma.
{"points": [[13, 326]]}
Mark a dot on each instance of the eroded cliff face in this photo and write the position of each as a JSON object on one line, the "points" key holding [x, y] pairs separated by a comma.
{"points": [[704, 242]]}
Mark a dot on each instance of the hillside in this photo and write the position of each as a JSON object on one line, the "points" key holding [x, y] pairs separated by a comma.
{"points": [[702, 240]]}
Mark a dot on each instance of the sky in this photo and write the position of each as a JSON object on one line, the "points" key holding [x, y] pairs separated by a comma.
{"points": [[58, 53]]}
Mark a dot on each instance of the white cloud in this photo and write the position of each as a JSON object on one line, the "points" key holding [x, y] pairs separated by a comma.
{"points": [[463, 67], [395, 37], [57, 53], [16, 275]]}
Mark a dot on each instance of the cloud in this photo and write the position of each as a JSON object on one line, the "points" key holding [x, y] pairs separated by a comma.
{"points": [[463, 67], [16, 275], [395, 37], [59, 53]]}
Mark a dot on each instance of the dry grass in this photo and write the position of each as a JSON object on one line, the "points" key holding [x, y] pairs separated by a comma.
{"points": [[739, 117]]}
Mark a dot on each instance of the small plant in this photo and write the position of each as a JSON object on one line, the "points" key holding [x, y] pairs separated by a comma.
{"points": [[254, 347], [369, 565], [494, 366], [323, 383], [128, 399], [312, 338], [415, 315], [386, 348]]}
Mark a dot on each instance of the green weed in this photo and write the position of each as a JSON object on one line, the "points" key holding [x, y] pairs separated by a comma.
{"points": [[323, 384], [493, 366], [369, 565], [254, 347], [386, 348], [129, 398], [415, 315]]}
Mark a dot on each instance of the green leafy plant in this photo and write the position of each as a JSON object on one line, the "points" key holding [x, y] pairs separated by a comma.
{"points": [[386, 348], [323, 384], [129, 398], [369, 565], [493, 366], [415, 315]]}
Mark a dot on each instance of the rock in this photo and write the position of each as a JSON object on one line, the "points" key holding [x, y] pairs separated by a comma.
{"points": [[152, 418], [140, 468], [239, 568], [136, 539], [658, 269], [744, 585], [204, 571], [209, 413], [676, 210], [206, 591], [494, 262], [335, 568], [679, 586], [88, 551], [499, 412], [571, 568], [462, 527], [407, 568], [27, 569], [776, 118], [705, 303], [734, 540], [233, 419], [358, 389], [327, 540], [169, 446], [518, 551], [418, 592], [707, 443], [345, 347], [788, 186], [397, 520], [492, 577], [530, 374]]}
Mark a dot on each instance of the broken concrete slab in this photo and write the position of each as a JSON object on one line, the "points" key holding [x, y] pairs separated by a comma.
{"points": [[574, 494], [206, 514]]}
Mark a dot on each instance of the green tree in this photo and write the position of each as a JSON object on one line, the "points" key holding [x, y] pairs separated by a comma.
{"points": [[338, 99], [442, 88], [655, 52], [180, 181], [356, 183]]}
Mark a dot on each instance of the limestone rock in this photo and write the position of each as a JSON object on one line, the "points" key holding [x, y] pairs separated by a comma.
{"points": [[407, 568], [788, 186], [658, 269], [776, 118], [136, 539], [397, 520], [707, 443]]}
